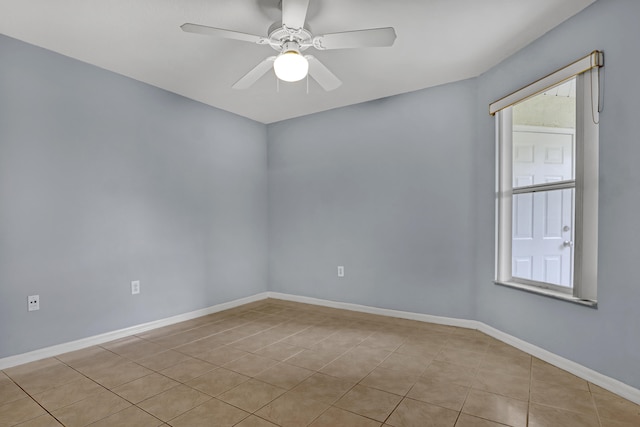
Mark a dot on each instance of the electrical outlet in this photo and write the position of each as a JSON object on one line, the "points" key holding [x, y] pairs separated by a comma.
{"points": [[340, 271], [135, 287], [33, 302]]}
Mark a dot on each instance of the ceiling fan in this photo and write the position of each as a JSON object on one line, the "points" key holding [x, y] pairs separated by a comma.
{"points": [[290, 38]]}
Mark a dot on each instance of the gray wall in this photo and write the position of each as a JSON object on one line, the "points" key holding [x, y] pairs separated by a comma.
{"points": [[104, 180], [384, 188], [606, 339]]}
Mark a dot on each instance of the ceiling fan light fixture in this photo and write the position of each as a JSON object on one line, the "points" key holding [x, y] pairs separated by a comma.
{"points": [[291, 66], [289, 37]]}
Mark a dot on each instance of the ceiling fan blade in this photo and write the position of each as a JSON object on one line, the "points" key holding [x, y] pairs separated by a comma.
{"points": [[252, 76], [294, 13], [374, 37], [322, 75], [219, 32]]}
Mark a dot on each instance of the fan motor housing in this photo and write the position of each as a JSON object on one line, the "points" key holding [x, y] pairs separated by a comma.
{"points": [[280, 34]]}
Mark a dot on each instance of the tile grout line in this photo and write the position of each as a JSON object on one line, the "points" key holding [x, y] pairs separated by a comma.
{"points": [[113, 392], [34, 400], [593, 401], [105, 388]]}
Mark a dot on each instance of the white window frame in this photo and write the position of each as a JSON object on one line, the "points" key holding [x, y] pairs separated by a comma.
{"points": [[585, 257]]}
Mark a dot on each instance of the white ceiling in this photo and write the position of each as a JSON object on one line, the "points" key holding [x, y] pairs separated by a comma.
{"points": [[439, 41]]}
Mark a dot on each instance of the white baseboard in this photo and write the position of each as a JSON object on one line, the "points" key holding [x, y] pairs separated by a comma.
{"points": [[450, 321], [601, 380], [608, 383], [55, 350]]}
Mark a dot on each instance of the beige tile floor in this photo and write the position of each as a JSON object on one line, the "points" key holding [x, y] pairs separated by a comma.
{"points": [[276, 363]]}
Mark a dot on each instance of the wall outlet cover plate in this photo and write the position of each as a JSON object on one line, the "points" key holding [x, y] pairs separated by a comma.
{"points": [[33, 302]]}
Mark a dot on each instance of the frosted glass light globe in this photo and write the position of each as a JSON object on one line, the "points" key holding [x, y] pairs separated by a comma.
{"points": [[290, 66]]}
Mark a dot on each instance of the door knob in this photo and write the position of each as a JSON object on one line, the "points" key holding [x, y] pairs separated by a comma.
{"points": [[567, 244]]}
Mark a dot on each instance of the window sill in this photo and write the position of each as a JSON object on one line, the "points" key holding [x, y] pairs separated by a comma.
{"points": [[549, 293]]}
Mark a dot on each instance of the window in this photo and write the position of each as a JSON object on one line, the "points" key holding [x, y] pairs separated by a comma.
{"points": [[547, 184]]}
